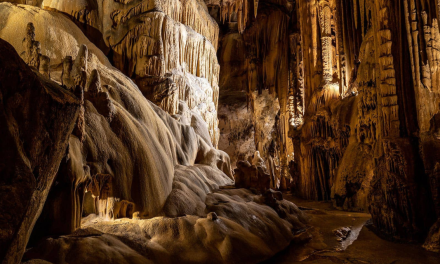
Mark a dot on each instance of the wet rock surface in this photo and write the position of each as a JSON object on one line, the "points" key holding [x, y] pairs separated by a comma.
{"points": [[342, 233], [361, 246]]}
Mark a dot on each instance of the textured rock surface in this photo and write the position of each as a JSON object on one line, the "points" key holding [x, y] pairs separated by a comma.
{"points": [[131, 117], [127, 157], [253, 54], [432, 242], [249, 176], [357, 88], [367, 141], [37, 117], [153, 41], [238, 220], [336, 100], [236, 127]]}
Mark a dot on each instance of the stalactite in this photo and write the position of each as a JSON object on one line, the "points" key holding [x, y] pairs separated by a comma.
{"points": [[424, 54], [355, 14], [326, 40], [295, 102], [161, 45], [362, 13], [255, 8], [341, 50], [390, 108], [410, 40], [236, 11]]}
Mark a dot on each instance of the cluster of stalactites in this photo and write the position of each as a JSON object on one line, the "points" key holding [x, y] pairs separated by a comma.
{"points": [[424, 47], [186, 12], [105, 205], [237, 11], [323, 97], [189, 13], [365, 8], [161, 44]]}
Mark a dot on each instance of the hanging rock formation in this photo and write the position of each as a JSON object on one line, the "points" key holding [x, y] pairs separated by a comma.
{"points": [[368, 144], [122, 156], [356, 83], [152, 41], [113, 113], [255, 65]]}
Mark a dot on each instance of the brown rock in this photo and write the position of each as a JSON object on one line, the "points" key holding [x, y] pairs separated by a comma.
{"points": [[251, 176], [37, 117]]}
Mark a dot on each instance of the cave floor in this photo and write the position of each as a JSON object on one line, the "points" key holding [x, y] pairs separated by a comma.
{"points": [[361, 246]]}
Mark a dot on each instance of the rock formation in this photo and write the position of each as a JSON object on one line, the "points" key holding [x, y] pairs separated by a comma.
{"points": [[119, 155], [356, 86], [152, 41], [367, 139], [254, 62], [127, 123], [28, 102]]}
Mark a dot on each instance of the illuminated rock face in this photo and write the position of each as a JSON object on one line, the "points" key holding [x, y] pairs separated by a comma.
{"points": [[357, 88], [336, 100], [369, 144], [255, 63], [117, 155], [153, 41], [367, 139]]}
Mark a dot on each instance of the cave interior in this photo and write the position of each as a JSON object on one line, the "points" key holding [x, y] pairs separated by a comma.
{"points": [[219, 131]]}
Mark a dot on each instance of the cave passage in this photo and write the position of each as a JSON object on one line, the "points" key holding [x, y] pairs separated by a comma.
{"points": [[208, 131]]}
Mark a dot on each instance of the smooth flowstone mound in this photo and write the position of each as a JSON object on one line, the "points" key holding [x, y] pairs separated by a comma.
{"points": [[92, 248], [238, 227]]}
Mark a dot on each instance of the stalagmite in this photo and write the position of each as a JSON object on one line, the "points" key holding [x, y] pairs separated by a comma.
{"points": [[79, 67], [255, 8], [45, 66], [66, 78]]}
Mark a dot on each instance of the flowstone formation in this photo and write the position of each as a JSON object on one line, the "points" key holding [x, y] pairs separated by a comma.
{"points": [[163, 131], [98, 154], [167, 47]]}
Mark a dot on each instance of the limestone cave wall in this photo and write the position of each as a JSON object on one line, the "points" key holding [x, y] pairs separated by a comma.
{"points": [[95, 134], [254, 56], [356, 83], [368, 140], [334, 100], [167, 47]]}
